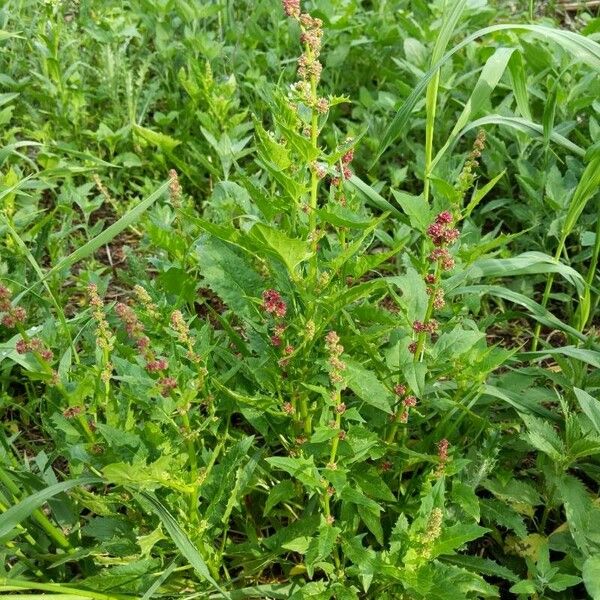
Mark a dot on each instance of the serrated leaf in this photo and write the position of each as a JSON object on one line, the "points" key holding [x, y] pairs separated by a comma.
{"points": [[160, 140], [464, 495], [542, 436], [229, 275], [289, 250]]}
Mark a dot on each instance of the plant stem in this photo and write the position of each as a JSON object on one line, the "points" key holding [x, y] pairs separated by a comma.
{"points": [[431, 104], [585, 305], [306, 416], [193, 462], [547, 291], [423, 334]]}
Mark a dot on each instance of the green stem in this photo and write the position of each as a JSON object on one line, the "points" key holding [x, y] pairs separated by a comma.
{"points": [[585, 305], [193, 462], [306, 416], [547, 291], [431, 104], [423, 334]]}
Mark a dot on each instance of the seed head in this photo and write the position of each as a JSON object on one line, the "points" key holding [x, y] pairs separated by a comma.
{"points": [[292, 8]]}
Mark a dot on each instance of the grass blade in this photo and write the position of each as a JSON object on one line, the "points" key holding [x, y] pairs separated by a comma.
{"points": [[17, 513], [182, 541], [580, 47], [446, 31], [534, 130], [519, 84], [488, 80], [110, 232]]}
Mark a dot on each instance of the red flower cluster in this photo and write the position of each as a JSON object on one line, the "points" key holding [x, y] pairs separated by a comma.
{"points": [[444, 258], [400, 389], [430, 327], [274, 304], [407, 403], [345, 173], [13, 314], [34, 345], [160, 364], [167, 385], [440, 232]]}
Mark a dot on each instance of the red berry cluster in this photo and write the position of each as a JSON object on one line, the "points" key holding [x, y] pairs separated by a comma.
{"points": [[442, 234]]}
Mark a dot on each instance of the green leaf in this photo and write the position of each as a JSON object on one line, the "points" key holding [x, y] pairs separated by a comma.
{"points": [[527, 263], [372, 519], [456, 536], [484, 566], [579, 510], [488, 80], [452, 344], [303, 469], [416, 208], [533, 130], [229, 275], [321, 547], [500, 514], [160, 140], [536, 311], [561, 582], [482, 192], [367, 387], [129, 218], [414, 293], [280, 492], [524, 587], [374, 198], [372, 484], [544, 438], [590, 406], [519, 84], [591, 576]]}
